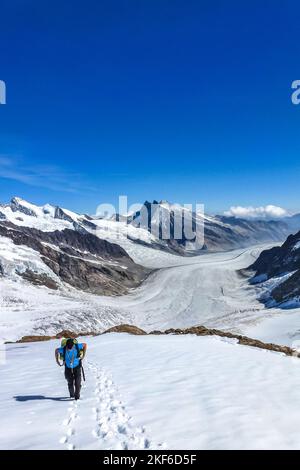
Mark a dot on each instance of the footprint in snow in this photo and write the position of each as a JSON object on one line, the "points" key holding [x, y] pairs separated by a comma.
{"points": [[72, 410], [111, 417]]}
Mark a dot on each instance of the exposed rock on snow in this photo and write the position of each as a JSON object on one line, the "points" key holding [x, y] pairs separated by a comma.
{"points": [[195, 330], [244, 340], [61, 214], [39, 279], [288, 290], [282, 265], [131, 329], [61, 334]]}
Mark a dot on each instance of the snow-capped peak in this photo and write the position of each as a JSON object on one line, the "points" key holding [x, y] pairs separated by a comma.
{"points": [[18, 204], [46, 218]]}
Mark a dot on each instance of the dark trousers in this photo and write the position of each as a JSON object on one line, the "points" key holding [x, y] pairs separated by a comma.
{"points": [[73, 377]]}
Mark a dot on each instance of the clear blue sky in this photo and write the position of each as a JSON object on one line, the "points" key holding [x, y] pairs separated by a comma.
{"points": [[180, 100]]}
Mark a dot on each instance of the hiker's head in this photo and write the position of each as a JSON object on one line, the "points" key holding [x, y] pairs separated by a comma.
{"points": [[70, 343]]}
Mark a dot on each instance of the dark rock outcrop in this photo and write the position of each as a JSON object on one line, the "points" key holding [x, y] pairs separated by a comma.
{"points": [[38, 279], [87, 223], [289, 289], [279, 261], [245, 340], [61, 334], [131, 329], [60, 214]]}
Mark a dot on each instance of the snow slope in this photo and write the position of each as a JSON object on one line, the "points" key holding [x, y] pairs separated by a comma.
{"points": [[17, 258], [152, 392]]}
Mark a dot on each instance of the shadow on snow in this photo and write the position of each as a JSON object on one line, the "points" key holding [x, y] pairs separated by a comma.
{"points": [[39, 397]]}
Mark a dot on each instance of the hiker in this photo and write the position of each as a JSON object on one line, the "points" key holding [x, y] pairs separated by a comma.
{"points": [[72, 353]]}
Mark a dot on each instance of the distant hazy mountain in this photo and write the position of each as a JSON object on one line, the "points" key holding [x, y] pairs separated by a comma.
{"points": [[220, 232], [293, 223]]}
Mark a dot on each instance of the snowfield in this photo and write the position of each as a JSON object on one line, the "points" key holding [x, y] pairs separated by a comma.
{"points": [[152, 392]]}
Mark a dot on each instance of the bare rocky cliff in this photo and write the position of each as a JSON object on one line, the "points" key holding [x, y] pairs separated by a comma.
{"points": [[281, 262]]}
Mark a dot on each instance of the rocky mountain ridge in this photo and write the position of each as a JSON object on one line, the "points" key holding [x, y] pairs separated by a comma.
{"points": [[77, 258]]}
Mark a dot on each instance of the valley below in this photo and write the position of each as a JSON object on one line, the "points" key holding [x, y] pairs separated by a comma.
{"points": [[60, 270], [209, 289]]}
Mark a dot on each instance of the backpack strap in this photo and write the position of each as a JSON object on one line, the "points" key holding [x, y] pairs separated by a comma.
{"points": [[77, 349]]}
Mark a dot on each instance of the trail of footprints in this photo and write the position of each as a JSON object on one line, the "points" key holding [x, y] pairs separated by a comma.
{"points": [[70, 425], [114, 428], [112, 421]]}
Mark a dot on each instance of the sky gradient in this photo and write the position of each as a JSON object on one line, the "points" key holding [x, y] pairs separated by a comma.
{"points": [[187, 101]]}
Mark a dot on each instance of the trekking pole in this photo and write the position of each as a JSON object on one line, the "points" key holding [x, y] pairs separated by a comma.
{"points": [[83, 374]]}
